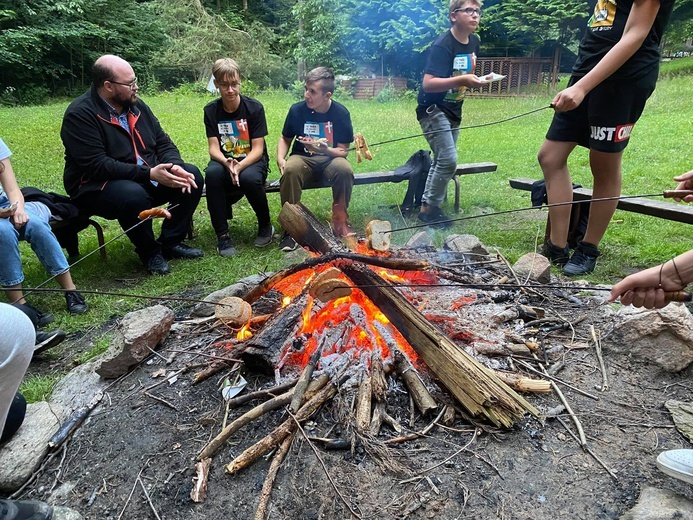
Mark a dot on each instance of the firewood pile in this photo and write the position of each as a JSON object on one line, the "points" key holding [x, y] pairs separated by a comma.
{"points": [[357, 328]]}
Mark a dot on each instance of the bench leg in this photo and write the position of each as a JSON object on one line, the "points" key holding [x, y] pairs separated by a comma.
{"points": [[457, 193], [99, 237]]}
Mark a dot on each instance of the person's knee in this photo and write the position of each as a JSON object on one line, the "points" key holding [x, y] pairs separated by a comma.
{"points": [[215, 175]]}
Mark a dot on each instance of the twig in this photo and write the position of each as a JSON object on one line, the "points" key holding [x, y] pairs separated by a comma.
{"points": [[554, 378], [322, 463], [148, 499], [134, 485], [598, 350], [162, 401], [59, 469], [421, 474], [261, 511], [269, 392], [588, 450], [416, 435]]}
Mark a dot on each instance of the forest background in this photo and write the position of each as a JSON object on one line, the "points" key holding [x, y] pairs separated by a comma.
{"points": [[47, 46]]}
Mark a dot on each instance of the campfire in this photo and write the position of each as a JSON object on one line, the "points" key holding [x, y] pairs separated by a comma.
{"points": [[356, 324]]}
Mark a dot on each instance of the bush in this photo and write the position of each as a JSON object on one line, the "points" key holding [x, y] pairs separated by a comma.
{"points": [[28, 95], [676, 67]]}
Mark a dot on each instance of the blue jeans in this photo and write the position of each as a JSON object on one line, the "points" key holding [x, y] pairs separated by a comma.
{"points": [[444, 145], [37, 232]]}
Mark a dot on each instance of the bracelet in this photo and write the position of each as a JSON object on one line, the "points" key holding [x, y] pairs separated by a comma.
{"points": [[676, 269]]}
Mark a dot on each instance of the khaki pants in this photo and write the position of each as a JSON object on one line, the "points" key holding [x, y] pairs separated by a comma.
{"points": [[301, 169]]}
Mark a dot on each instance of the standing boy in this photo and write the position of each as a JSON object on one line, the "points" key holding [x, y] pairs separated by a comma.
{"points": [[236, 129], [448, 74], [322, 130], [614, 75]]}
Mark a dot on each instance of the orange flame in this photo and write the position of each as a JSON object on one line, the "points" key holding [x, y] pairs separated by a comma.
{"points": [[244, 333]]}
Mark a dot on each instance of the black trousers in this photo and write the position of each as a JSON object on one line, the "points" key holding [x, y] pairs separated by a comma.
{"points": [[123, 200], [222, 192]]}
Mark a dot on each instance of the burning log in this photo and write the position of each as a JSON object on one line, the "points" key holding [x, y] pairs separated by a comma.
{"points": [[262, 350], [418, 392], [363, 405], [304, 381], [479, 390], [523, 312]]}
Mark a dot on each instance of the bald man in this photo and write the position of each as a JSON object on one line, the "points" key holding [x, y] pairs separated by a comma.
{"points": [[119, 162]]}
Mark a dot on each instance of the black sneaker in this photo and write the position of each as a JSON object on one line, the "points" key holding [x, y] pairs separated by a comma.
{"points": [[25, 510], [583, 261], [40, 319], [46, 340], [555, 254], [264, 235], [157, 265], [287, 243], [435, 218], [182, 252], [75, 303], [225, 246]]}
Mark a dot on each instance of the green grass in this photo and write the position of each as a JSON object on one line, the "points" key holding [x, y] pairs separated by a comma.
{"points": [[658, 151], [38, 387]]}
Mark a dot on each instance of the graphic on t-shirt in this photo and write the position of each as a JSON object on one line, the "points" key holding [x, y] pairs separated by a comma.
{"points": [[234, 138], [461, 64], [604, 13], [323, 130]]}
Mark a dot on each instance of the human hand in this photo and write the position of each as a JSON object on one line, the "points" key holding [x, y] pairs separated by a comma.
{"points": [[685, 181], [647, 288], [473, 81], [9, 211], [568, 99], [173, 176], [232, 167], [320, 146], [20, 217], [280, 164]]}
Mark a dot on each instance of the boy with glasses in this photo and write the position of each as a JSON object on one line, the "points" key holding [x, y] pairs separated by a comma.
{"points": [[449, 72], [236, 128]]}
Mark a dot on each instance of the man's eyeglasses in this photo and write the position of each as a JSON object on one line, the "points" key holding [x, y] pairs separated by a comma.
{"points": [[132, 84], [469, 11]]}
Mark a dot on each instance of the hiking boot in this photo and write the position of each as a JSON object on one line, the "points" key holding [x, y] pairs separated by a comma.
{"points": [[182, 252], [435, 218], [555, 254], [157, 265], [583, 261], [46, 340], [677, 464], [287, 243], [75, 303], [25, 510], [225, 246], [264, 235]]}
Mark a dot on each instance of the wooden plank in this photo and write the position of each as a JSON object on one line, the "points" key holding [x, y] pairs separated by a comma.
{"points": [[654, 208]]}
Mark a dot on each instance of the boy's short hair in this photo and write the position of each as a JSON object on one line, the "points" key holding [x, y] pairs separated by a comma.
{"points": [[226, 67], [323, 74], [456, 4]]}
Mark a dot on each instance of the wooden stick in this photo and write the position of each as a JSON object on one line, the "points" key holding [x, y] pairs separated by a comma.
{"points": [[261, 511], [259, 394], [588, 450], [282, 431], [273, 404], [416, 435], [199, 491], [419, 393], [149, 500], [598, 350], [363, 405], [302, 384], [524, 384]]}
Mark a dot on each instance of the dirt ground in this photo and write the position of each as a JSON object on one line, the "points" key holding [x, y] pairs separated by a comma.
{"points": [[533, 471]]}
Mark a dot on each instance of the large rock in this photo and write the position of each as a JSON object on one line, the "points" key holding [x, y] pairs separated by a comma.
{"points": [[664, 336], [660, 504], [465, 244], [203, 310], [682, 414], [23, 454], [137, 335], [78, 387], [533, 267], [419, 240]]}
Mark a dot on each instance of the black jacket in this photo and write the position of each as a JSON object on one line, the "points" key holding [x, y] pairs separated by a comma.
{"points": [[98, 149]]}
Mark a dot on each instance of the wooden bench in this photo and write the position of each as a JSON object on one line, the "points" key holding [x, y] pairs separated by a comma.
{"points": [[645, 206], [72, 246], [389, 176]]}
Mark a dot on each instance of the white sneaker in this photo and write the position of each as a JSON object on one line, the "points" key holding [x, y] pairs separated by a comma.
{"points": [[677, 464]]}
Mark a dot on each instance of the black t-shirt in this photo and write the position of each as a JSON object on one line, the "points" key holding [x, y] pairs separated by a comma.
{"points": [[447, 58], [334, 125], [605, 28], [235, 131]]}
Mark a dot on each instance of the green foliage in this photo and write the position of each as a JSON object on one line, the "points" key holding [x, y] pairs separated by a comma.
{"points": [[100, 346], [36, 388], [677, 67]]}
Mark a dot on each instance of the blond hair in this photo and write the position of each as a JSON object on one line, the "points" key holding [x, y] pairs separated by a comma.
{"points": [[226, 67]]}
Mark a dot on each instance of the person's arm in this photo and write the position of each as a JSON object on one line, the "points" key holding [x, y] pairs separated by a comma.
{"points": [[638, 25], [434, 84], [257, 148], [14, 194], [685, 181], [647, 288], [282, 150]]}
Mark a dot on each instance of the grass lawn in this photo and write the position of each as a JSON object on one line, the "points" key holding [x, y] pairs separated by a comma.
{"points": [[655, 155]]}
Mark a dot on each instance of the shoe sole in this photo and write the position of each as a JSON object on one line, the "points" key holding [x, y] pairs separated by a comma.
{"points": [[666, 466], [80, 310], [49, 343]]}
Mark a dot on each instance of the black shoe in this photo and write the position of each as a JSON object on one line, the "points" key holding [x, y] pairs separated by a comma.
{"points": [[46, 340], [157, 265], [555, 254], [583, 261], [264, 235], [182, 251], [38, 318], [25, 510], [75, 303], [287, 243], [225, 246], [435, 218]]}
